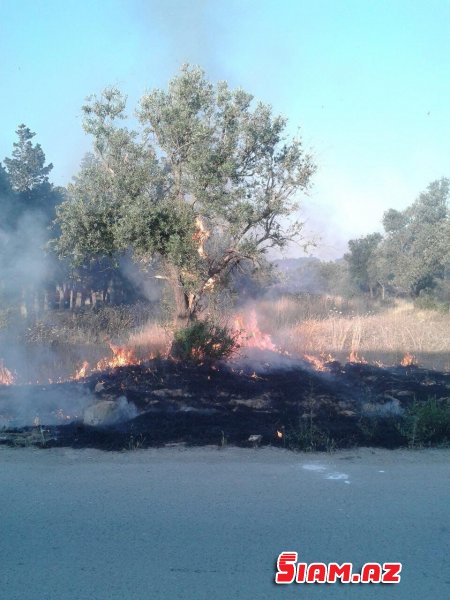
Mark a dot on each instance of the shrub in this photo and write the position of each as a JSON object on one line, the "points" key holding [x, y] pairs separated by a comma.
{"points": [[428, 423], [428, 302], [202, 341], [307, 437]]}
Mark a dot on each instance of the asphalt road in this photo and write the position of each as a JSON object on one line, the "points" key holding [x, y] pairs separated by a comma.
{"points": [[208, 524]]}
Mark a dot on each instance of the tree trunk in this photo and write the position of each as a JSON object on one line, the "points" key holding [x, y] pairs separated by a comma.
{"points": [[186, 303]]}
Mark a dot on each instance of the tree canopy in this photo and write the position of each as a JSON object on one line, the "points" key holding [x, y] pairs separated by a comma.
{"points": [[360, 259], [24, 183], [26, 168], [413, 256], [205, 183]]}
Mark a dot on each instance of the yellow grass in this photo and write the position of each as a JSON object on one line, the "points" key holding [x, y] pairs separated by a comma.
{"points": [[397, 330], [151, 339]]}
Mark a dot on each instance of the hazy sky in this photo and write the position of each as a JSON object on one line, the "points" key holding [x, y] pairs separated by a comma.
{"points": [[367, 82]]}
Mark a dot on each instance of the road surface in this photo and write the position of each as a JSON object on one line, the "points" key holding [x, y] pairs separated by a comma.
{"points": [[208, 524]]}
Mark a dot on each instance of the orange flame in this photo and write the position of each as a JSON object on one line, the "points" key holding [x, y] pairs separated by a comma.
{"points": [[408, 360], [6, 377], [122, 357], [250, 335], [82, 371], [354, 358], [317, 363]]}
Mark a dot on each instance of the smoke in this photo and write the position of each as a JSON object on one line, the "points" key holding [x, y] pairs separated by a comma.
{"points": [[146, 283], [24, 406], [28, 406], [23, 265], [25, 273], [186, 31]]}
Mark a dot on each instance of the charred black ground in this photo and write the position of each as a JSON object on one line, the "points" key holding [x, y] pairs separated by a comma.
{"points": [[284, 402]]}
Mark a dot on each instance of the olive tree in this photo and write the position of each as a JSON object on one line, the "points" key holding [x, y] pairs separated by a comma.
{"points": [[415, 252], [208, 181]]}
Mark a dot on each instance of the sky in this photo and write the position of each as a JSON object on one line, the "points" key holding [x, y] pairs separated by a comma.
{"points": [[367, 83]]}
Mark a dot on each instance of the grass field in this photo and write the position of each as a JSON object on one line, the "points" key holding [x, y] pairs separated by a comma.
{"points": [[332, 326], [57, 343]]}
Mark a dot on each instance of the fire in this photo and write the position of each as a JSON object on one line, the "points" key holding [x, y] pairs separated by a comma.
{"points": [[6, 377], [408, 360], [200, 236], [82, 371], [122, 357], [250, 335], [314, 361], [354, 358]]}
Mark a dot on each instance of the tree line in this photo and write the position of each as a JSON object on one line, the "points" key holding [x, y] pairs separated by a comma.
{"points": [[412, 256]]}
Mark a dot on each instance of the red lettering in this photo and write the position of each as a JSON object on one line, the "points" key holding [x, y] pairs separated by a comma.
{"points": [[391, 572], [371, 573], [286, 567], [342, 572]]}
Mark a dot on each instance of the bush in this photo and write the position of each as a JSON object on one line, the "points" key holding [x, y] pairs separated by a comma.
{"points": [[428, 302], [202, 341], [428, 423]]}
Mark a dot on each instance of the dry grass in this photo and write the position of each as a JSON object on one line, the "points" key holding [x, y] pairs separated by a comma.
{"points": [[55, 345], [88, 326], [151, 339], [287, 311], [306, 324], [331, 326]]}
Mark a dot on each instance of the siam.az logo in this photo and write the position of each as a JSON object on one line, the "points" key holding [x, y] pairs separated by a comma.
{"points": [[289, 570]]}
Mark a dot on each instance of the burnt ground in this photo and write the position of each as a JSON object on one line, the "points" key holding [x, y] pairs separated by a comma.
{"points": [[278, 398]]}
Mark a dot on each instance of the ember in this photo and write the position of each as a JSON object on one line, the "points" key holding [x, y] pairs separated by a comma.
{"points": [[408, 360]]}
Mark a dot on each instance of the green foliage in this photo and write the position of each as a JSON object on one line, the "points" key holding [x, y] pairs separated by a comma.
{"points": [[9, 205], [165, 229], [24, 184], [203, 340], [308, 437], [413, 257], [203, 158], [359, 260], [336, 278], [26, 169], [428, 423], [428, 301], [415, 252]]}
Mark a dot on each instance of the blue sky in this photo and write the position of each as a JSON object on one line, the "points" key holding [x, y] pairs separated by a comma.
{"points": [[367, 82]]}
